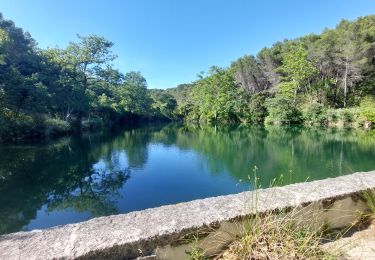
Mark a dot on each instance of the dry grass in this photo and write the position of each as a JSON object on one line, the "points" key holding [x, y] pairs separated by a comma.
{"points": [[279, 237], [292, 234], [369, 197], [296, 234]]}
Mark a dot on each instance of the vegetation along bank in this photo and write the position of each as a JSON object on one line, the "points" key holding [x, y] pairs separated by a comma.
{"points": [[326, 79]]}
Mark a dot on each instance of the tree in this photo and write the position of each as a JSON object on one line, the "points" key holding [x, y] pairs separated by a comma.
{"points": [[86, 57], [217, 98], [282, 110], [269, 60], [250, 75], [297, 70], [164, 104], [350, 58], [132, 93], [257, 108]]}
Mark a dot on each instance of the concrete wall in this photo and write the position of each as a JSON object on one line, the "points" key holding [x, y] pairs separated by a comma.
{"points": [[166, 232]]}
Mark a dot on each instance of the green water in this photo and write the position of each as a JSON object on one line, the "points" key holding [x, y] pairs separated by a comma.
{"points": [[75, 179]]}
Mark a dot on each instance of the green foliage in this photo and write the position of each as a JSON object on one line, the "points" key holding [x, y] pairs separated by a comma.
{"points": [[79, 85], [288, 89], [367, 109], [133, 93], [257, 108], [14, 126], [332, 115], [217, 98], [282, 110], [50, 92], [315, 113], [56, 127], [195, 252], [348, 115], [296, 69], [343, 117], [163, 104], [332, 68]]}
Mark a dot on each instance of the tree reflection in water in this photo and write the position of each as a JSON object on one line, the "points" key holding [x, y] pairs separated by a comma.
{"points": [[59, 176], [90, 174]]}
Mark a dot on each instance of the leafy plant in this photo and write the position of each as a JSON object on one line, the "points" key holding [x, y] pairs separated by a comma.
{"points": [[282, 110], [315, 113], [367, 109]]}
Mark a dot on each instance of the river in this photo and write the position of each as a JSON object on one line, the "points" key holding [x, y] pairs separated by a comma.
{"points": [[77, 178]]}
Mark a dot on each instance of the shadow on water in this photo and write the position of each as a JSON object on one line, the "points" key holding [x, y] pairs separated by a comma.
{"points": [[90, 174]]}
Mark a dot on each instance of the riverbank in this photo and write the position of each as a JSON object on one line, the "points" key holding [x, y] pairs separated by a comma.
{"points": [[26, 129]]}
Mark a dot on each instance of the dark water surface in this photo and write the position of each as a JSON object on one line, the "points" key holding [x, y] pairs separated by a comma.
{"points": [[74, 179]]}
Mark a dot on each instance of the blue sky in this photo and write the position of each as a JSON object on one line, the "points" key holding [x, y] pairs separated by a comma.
{"points": [[171, 41]]}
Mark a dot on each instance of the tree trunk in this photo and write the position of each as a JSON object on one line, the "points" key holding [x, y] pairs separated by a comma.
{"points": [[295, 96], [345, 82]]}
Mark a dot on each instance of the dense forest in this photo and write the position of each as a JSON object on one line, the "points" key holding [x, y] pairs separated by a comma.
{"points": [[326, 79], [50, 92]]}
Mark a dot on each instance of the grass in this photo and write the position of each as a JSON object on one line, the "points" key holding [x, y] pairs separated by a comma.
{"points": [[282, 236], [196, 253], [286, 235], [271, 235], [369, 197], [294, 233]]}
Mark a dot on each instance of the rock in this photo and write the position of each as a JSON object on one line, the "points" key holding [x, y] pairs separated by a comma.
{"points": [[359, 246]]}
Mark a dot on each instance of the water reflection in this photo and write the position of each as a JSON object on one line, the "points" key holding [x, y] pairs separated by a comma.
{"points": [[104, 174]]}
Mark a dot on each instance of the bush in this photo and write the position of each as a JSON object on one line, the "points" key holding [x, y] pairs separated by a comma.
{"points": [[257, 108], [56, 127], [332, 115], [343, 116], [348, 115], [14, 127], [19, 127], [282, 110], [315, 113], [367, 109]]}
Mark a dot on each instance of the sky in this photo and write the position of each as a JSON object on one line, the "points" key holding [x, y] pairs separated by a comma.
{"points": [[171, 41]]}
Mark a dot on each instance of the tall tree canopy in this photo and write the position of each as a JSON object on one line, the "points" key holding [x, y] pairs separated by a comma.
{"points": [[54, 91]]}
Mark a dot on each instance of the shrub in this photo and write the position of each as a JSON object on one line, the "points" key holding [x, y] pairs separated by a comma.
{"points": [[367, 109], [19, 127], [257, 108], [332, 115], [282, 110], [315, 113], [56, 127], [16, 127], [348, 115]]}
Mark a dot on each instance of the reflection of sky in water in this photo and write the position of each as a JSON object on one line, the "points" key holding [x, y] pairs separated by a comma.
{"points": [[178, 169], [168, 177], [45, 219], [71, 182]]}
